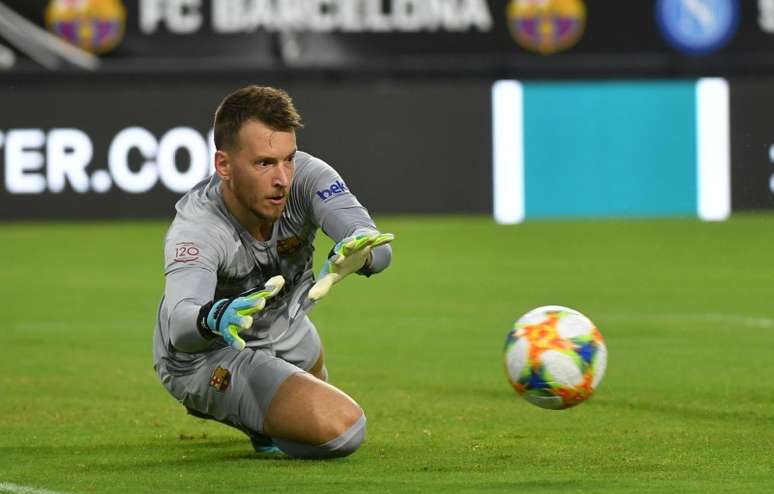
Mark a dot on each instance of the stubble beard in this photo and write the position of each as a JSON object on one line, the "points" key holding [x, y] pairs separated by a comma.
{"points": [[265, 215]]}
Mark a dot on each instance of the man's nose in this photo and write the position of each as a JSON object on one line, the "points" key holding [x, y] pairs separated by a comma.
{"points": [[281, 177]]}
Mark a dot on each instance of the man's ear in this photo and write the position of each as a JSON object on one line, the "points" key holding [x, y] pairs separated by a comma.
{"points": [[223, 165]]}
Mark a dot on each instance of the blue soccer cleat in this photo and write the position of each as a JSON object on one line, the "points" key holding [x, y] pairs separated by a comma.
{"points": [[264, 444]]}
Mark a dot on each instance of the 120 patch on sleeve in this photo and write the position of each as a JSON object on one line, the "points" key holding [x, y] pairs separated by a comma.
{"points": [[186, 252]]}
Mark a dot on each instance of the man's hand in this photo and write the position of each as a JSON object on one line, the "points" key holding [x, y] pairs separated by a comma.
{"points": [[228, 316], [347, 257]]}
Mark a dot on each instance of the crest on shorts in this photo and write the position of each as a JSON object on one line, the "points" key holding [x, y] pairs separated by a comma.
{"points": [[220, 379]]}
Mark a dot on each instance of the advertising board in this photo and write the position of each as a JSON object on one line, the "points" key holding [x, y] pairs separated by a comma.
{"points": [[130, 149]]}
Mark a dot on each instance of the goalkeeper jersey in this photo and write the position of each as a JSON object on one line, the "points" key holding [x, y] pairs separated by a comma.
{"points": [[208, 255]]}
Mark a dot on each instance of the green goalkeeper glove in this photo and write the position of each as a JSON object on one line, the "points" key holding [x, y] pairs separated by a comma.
{"points": [[227, 317], [347, 257]]}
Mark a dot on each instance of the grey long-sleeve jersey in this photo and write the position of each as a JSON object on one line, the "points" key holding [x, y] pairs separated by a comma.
{"points": [[208, 255]]}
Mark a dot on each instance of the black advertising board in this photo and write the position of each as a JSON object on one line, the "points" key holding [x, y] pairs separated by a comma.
{"points": [[752, 144], [508, 38], [72, 150]]}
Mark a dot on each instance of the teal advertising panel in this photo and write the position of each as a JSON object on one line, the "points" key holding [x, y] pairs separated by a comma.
{"points": [[610, 149]]}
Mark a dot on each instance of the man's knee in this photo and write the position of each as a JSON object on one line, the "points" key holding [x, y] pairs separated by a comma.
{"points": [[337, 422], [344, 444], [310, 411]]}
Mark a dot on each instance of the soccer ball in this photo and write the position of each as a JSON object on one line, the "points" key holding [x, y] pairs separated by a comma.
{"points": [[555, 357]]}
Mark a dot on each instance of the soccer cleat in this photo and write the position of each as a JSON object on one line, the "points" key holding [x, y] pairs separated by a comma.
{"points": [[264, 444]]}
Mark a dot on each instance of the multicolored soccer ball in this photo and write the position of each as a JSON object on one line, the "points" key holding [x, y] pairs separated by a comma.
{"points": [[555, 357]]}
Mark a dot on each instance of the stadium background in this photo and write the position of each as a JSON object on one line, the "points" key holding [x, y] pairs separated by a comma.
{"points": [[400, 96], [417, 84]]}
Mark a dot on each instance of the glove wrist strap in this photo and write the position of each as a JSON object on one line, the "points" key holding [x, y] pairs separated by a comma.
{"points": [[201, 322], [366, 269]]}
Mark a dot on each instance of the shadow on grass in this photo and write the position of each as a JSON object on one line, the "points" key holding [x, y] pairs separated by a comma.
{"points": [[150, 455], [680, 410]]}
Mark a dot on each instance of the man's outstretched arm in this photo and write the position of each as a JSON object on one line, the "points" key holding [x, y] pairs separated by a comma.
{"points": [[360, 246], [195, 319], [351, 254]]}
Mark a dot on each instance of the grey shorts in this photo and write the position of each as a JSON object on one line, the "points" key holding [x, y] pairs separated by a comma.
{"points": [[236, 387]]}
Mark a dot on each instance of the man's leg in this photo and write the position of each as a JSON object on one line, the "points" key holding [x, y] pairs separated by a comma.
{"points": [[263, 395], [319, 370], [308, 417], [311, 418]]}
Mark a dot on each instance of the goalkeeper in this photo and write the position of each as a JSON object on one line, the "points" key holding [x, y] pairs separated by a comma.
{"points": [[233, 340]]}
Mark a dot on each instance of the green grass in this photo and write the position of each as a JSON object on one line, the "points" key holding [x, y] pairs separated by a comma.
{"points": [[687, 404]]}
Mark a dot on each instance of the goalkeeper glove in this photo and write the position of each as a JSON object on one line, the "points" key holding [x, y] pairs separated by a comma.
{"points": [[227, 317], [346, 257]]}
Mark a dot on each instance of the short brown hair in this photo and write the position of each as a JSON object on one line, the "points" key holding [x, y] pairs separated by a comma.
{"points": [[270, 106]]}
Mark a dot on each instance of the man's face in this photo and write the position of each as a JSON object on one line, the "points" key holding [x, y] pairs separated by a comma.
{"points": [[259, 169]]}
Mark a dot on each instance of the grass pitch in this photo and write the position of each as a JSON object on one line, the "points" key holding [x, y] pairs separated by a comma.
{"points": [[686, 406]]}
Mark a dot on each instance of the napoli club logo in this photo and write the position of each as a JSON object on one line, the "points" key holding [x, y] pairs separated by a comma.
{"points": [[96, 26], [697, 27], [546, 26]]}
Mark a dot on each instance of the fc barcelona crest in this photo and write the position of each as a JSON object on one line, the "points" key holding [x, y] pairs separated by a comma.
{"points": [[546, 26], [220, 379]]}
